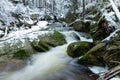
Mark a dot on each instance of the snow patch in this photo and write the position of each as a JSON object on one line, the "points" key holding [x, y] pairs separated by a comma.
{"points": [[98, 69]]}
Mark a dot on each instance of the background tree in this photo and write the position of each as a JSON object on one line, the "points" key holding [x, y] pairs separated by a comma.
{"points": [[84, 8]]}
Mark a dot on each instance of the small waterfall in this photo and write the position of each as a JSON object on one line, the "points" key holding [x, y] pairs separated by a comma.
{"points": [[44, 64]]}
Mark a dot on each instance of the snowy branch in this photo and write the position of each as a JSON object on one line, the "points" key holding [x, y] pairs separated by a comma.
{"points": [[110, 74], [115, 9]]}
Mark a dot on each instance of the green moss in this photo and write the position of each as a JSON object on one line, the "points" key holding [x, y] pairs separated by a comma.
{"points": [[54, 39], [77, 49], [119, 75], [91, 60], [20, 54], [59, 38], [40, 46], [47, 41]]}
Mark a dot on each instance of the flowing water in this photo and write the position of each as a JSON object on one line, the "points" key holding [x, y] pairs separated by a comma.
{"points": [[44, 65]]}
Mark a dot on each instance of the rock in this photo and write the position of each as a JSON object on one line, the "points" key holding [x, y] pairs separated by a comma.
{"points": [[77, 49], [16, 49], [34, 16], [21, 54], [103, 54], [47, 41], [27, 43], [94, 56], [82, 26]]}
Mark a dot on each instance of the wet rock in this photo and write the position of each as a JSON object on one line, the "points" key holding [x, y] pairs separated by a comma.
{"points": [[48, 40], [77, 49], [103, 54]]}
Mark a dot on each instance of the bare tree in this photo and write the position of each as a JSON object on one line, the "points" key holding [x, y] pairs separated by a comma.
{"points": [[25, 2], [84, 8]]}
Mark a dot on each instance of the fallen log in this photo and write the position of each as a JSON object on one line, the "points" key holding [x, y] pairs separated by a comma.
{"points": [[110, 74], [115, 9]]}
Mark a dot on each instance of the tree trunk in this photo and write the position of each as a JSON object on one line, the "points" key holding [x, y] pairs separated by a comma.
{"points": [[83, 9]]}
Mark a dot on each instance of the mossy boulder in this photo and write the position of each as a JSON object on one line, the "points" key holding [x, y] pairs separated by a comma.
{"points": [[40, 46], [21, 54], [77, 49], [22, 48], [48, 40], [82, 26]]}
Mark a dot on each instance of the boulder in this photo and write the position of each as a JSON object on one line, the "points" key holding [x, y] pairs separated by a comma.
{"points": [[48, 40], [77, 49], [29, 43], [82, 26]]}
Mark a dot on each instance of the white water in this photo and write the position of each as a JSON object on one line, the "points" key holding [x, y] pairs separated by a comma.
{"points": [[44, 64]]}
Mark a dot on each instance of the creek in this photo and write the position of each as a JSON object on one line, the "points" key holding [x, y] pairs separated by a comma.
{"points": [[51, 65]]}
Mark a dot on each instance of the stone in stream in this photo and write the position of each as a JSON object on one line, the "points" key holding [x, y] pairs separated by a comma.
{"points": [[48, 40], [82, 26], [77, 49]]}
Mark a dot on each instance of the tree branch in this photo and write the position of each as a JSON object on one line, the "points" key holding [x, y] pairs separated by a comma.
{"points": [[110, 74], [115, 9]]}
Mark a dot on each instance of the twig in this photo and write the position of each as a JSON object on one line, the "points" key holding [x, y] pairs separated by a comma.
{"points": [[115, 62], [111, 35], [6, 31]]}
